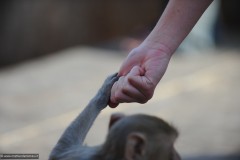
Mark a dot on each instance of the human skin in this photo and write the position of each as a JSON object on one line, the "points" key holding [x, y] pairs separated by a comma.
{"points": [[145, 65]]}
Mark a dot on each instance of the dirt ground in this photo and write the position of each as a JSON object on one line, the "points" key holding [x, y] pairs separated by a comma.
{"points": [[199, 94]]}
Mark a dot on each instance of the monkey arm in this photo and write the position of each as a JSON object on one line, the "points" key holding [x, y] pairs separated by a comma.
{"points": [[76, 132]]}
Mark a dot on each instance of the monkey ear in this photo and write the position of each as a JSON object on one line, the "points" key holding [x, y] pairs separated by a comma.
{"points": [[114, 118], [135, 146]]}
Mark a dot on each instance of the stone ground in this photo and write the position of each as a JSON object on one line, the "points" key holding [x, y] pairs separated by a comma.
{"points": [[199, 94]]}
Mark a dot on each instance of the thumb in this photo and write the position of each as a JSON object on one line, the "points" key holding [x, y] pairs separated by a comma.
{"points": [[136, 71], [112, 105]]}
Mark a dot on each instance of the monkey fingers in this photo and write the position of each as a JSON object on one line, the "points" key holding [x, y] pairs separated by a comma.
{"points": [[103, 95]]}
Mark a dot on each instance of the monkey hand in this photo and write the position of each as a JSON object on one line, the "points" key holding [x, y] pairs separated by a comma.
{"points": [[102, 97]]}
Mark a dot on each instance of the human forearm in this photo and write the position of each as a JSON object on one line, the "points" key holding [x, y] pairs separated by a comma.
{"points": [[177, 21], [145, 65]]}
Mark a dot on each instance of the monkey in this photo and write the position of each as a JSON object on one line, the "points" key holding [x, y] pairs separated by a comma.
{"points": [[134, 137]]}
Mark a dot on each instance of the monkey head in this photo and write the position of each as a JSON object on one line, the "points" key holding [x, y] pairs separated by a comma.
{"points": [[140, 137]]}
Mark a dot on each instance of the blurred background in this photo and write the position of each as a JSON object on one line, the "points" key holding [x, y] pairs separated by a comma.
{"points": [[55, 54]]}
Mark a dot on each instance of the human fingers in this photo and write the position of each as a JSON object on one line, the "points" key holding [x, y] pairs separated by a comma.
{"points": [[112, 102], [117, 92], [112, 105], [134, 93], [124, 92], [131, 90], [144, 86]]}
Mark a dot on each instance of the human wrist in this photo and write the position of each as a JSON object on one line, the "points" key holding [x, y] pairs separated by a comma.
{"points": [[158, 47]]}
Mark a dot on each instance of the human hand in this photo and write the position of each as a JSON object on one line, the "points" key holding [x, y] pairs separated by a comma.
{"points": [[139, 76]]}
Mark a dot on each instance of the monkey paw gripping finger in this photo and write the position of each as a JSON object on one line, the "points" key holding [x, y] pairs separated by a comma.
{"points": [[108, 83], [103, 94]]}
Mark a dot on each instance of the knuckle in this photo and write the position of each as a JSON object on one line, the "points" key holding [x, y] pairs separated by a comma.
{"points": [[117, 97], [148, 91], [149, 95], [130, 78], [143, 101], [125, 90], [114, 87], [113, 99]]}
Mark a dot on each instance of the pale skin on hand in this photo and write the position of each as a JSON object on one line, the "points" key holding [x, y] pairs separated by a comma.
{"points": [[139, 83], [145, 65]]}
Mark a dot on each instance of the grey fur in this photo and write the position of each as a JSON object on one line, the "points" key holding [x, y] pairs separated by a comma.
{"points": [[71, 142]]}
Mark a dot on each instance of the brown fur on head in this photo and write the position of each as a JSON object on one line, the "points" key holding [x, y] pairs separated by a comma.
{"points": [[139, 137]]}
